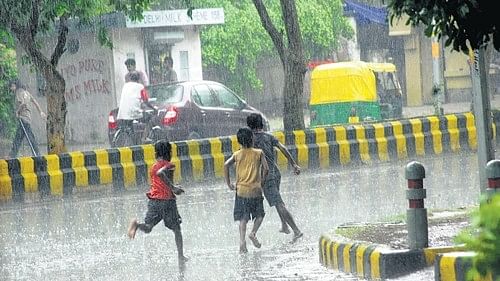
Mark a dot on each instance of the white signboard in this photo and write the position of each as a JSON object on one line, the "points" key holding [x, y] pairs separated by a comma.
{"points": [[179, 18]]}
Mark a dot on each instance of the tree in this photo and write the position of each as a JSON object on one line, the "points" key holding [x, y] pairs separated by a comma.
{"points": [[291, 53], [27, 20], [464, 24], [484, 239], [7, 73], [238, 46]]}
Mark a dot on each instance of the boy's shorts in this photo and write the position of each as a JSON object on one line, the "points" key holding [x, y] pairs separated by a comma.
{"points": [[248, 208], [165, 210], [271, 190]]}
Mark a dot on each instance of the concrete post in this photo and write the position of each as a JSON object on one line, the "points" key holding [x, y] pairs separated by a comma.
{"points": [[493, 174], [482, 116], [416, 215]]}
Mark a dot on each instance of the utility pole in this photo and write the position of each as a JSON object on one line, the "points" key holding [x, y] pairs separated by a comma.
{"points": [[437, 89], [482, 116]]}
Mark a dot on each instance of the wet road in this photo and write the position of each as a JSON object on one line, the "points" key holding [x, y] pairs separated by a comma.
{"points": [[84, 237]]}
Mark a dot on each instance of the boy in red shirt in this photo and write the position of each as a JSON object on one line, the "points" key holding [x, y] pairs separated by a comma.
{"points": [[162, 203]]}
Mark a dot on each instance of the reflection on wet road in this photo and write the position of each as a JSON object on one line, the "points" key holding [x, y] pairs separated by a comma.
{"points": [[84, 237]]}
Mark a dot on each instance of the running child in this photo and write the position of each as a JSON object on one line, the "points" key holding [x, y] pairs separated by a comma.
{"points": [[251, 167], [162, 201], [271, 184]]}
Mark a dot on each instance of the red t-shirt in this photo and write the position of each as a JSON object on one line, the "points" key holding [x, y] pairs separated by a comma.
{"points": [[159, 189]]}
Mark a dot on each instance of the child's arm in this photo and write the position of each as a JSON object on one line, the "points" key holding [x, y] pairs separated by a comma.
{"points": [[166, 175], [284, 150], [265, 166], [228, 163]]}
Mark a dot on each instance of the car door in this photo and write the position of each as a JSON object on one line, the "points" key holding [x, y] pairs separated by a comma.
{"points": [[210, 112], [233, 107]]}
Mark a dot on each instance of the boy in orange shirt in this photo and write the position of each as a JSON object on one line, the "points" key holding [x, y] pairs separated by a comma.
{"points": [[162, 202], [251, 168]]}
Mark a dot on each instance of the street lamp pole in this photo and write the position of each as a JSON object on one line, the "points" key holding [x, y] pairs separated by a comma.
{"points": [[482, 116]]}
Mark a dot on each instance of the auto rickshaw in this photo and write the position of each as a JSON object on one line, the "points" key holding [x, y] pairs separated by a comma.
{"points": [[347, 92]]}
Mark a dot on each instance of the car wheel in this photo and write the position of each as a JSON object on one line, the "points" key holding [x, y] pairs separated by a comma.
{"points": [[194, 135]]}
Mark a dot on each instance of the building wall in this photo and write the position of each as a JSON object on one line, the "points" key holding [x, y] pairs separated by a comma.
{"points": [[192, 45], [457, 75], [413, 71], [89, 89]]}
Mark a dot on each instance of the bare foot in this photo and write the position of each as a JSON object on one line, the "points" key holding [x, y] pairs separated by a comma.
{"points": [[296, 237], [285, 230], [243, 249], [132, 228], [254, 240]]}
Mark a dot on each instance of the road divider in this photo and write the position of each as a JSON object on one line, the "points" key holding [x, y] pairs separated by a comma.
{"points": [[380, 262], [201, 160]]}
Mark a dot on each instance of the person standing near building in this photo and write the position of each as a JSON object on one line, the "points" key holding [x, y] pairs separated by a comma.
{"points": [[23, 113], [271, 183], [131, 67], [170, 75]]}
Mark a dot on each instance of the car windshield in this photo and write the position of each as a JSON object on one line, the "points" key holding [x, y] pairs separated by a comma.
{"points": [[166, 93]]}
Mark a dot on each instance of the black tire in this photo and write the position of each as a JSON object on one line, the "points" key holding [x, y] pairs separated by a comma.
{"points": [[122, 138], [193, 136]]}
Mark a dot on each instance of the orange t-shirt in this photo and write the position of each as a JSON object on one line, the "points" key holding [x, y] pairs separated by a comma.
{"points": [[159, 189]]}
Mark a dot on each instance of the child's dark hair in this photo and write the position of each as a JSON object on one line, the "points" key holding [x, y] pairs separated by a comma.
{"points": [[130, 62], [163, 149], [245, 137], [254, 121]]}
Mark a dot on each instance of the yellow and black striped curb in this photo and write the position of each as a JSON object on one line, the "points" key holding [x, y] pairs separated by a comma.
{"points": [[454, 267], [371, 261], [202, 160]]}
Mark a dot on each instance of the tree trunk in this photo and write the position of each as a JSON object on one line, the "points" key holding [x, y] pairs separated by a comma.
{"points": [[56, 109], [293, 112], [56, 102], [295, 69]]}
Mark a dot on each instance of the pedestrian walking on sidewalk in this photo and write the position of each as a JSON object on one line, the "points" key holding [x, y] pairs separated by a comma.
{"points": [[162, 203], [251, 167], [23, 113], [271, 185]]}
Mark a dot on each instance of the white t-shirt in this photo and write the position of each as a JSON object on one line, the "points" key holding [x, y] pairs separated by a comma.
{"points": [[133, 94]]}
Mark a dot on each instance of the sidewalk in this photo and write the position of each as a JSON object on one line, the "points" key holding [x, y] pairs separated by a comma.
{"points": [[449, 108]]}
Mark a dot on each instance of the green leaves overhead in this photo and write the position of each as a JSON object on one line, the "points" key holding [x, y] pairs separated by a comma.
{"points": [[240, 44], [464, 24]]}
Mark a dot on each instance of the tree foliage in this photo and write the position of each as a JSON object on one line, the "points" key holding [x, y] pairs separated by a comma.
{"points": [[8, 71], [463, 24], [27, 21], [485, 240], [239, 45]]}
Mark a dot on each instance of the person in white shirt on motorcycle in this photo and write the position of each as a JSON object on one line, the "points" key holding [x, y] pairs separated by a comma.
{"points": [[133, 96]]}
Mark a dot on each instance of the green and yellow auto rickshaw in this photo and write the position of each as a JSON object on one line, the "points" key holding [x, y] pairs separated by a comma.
{"points": [[347, 92]]}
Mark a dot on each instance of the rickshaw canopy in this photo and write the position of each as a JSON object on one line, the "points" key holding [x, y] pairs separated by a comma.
{"points": [[344, 82]]}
